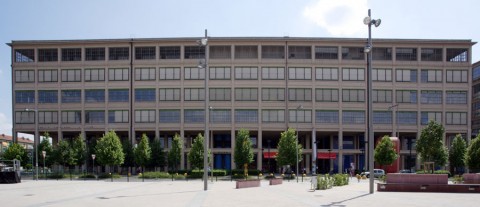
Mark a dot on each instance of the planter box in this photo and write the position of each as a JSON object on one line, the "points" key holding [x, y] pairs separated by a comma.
{"points": [[276, 181], [247, 183], [417, 178], [470, 178]]}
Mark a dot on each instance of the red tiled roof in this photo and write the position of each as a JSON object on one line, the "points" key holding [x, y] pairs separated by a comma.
{"points": [[20, 139]]}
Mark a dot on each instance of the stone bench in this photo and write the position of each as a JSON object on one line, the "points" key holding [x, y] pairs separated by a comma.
{"points": [[402, 178], [276, 181], [470, 178], [248, 183]]}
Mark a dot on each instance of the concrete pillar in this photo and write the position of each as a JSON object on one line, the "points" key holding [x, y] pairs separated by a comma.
{"points": [[340, 151], [182, 157], [232, 137], [260, 152], [314, 151]]}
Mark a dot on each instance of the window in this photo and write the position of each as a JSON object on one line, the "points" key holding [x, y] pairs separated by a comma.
{"points": [[145, 74], [299, 94], [431, 116], [169, 94], [456, 97], [406, 75], [94, 74], [246, 94], [118, 74], [194, 73], [246, 73], [406, 54], [431, 97], [145, 116], [273, 52], [432, 54], [246, 52], [456, 118], [457, 76], [71, 117], [118, 116], [92, 54], [194, 52], [457, 55], [24, 76], [300, 116], [273, 116], [353, 74], [48, 75], [24, 96], [353, 53], [170, 52], [169, 73], [145, 95], [71, 75], [299, 52], [24, 117], [220, 94], [324, 52], [381, 53], [273, 94], [326, 95], [221, 116], [118, 95], [95, 96], [118, 53], [407, 117], [71, 54], [71, 96], [406, 96], [219, 73], [194, 94], [431, 76], [24, 55], [382, 117], [353, 95], [300, 73], [326, 73], [246, 116], [48, 55], [220, 52], [95, 117], [273, 73], [382, 96], [145, 53], [326, 116], [169, 116], [194, 116], [353, 117], [47, 117], [382, 75], [47, 96]]}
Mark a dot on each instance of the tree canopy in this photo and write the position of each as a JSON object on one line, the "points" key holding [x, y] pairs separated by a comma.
{"points": [[109, 150], [472, 156], [385, 153], [15, 151], [158, 155], [142, 152], [288, 148], [175, 153], [195, 156], [79, 150], [243, 153], [456, 154], [430, 144]]}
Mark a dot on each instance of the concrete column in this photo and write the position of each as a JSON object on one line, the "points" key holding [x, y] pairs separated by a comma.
{"points": [[314, 151], [232, 161], [340, 151], [182, 159], [260, 153]]}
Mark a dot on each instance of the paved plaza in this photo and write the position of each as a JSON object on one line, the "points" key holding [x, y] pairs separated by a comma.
{"points": [[91, 193]]}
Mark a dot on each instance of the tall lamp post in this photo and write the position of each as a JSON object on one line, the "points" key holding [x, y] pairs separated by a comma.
{"points": [[36, 139], [44, 153], [204, 65], [296, 146], [368, 49]]}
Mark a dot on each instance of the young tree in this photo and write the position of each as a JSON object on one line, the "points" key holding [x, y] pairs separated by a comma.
{"points": [[63, 153], [158, 156], [175, 153], [385, 152], [195, 156], [143, 152], [430, 144], [243, 148], [456, 154], [15, 151], [129, 158], [109, 150], [288, 149], [47, 147], [472, 156], [79, 150]]}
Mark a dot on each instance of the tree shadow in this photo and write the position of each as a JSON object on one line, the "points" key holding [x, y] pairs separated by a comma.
{"points": [[339, 203]]}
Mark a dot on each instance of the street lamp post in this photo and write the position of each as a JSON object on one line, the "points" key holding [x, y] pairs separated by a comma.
{"points": [[36, 139], [204, 43], [296, 146], [368, 49], [93, 164], [44, 153]]}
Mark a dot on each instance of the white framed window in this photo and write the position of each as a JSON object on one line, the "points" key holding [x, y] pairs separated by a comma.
{"points": [[326, 73], [246, 73], [194, 94], [273, 94], [49, 75], [145, 74], [145, 116], [71, 75], [457, 76], [246, 94], [353, 74], [169, 73], [382, 75], [194, 73], [273, 115], [94, 74], [300, 73], [219, 73], [273, 73], [118, 74], [326, 95], [24, 76], [169, 94]]}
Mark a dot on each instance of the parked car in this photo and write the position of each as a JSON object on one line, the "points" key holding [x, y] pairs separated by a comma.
{"points": [[376, 173], [406, 171]]}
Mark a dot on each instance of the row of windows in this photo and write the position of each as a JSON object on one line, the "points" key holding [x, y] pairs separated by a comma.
{"points": [[241, 94], [241, 52], [240, 115], [242, 73]]}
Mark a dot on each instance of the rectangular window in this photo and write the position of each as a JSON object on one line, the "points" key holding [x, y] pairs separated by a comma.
{"points": [[71, 75], [326, 53], [194, 73], [353, 53], [432, 54], [299, 52], [48, 55], [95, 117], [246, 73], [326, 95], [273, 52], [353, 74], [382, 117], [407, 117], [381, 53], [118, 74], [48, 117], [194, 52], [169, 116], [382, 96], [92, 54], [220, 94], [273, 116], [353, 117], [145, 53], [246, 52], [406, 75], [71, 54], [48, 96], [431, 97], [456, 97], [118, 116], [24, 117], [48, 75], [95, 96], [353, 95], [300, 73], [220, 52], [118, 95], [24, 76], [169, 94], [431, 116], [246, 116], [71, 117], [145, 74], [118, 53], [145, 116], [326, 74], [300, 94], [457, 76], [145, 95], [406, 54], [456, 118], [431, 76], [219, 73], [71, 96], [246, 94], [457, 54], [273, 73], [170, 52], [273, 94], [382, 75], [194, 94], [24, 55], [94, 74], [406, 96], [194, 116], [24, 96], [169, 73], [221, 116], [326, 116], [300, 116]]}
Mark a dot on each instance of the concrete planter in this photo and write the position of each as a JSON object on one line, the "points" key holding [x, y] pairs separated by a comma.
{"points": [[470, 178], [276, 181], [248, 183]]}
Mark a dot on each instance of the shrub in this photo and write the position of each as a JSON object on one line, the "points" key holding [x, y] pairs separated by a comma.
{"points": [[325, 182], [108, 175], [435, 172], [158, 175], [53, 176], [250, 171], [87, 176], [340, 179], [199, 173]]}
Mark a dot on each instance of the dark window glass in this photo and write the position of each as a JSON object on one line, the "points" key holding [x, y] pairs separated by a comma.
{"points": [[71, 54], [194, 52], [171, 52], [95, 53], [48, 55], [24, 55], [118, 53], [144, 53]]}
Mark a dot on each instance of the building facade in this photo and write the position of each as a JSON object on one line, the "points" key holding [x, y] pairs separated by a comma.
{"points": [[476, 99], [266, 85], [6, 141]]}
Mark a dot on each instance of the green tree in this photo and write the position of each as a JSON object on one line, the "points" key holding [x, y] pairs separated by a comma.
{"points": [[109, 150], [15, 151], [63, 153], [142, 152], [385, 152], [243, 148], [430, 144], [456, 154], [129, 158], [175, 153], [47, 147], [195, 156], [79, 150], [158, 156], [288, 149], [472, 156]]}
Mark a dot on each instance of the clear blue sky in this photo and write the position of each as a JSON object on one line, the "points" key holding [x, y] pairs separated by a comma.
{"points": [[103, 19]]}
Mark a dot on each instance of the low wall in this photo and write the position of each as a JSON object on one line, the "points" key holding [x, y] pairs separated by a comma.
{"points": [[405, 187], [470, 178], [276, 181], [247, 183], [417, 178]]}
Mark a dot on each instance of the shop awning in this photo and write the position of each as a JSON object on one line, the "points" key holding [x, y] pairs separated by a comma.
{"points": [[326, 155], [270, 155]]}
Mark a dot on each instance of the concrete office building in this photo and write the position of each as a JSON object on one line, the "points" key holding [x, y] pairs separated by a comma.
{"points": [[476, 99], [266, 84]]}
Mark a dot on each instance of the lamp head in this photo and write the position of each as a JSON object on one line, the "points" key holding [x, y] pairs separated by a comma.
{"points": [[202, 42], [376, 22], [367, 20], [367, 49]]}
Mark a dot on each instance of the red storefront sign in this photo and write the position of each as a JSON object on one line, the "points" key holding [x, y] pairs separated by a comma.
{"points": [[326, 155], [270, 155]]}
